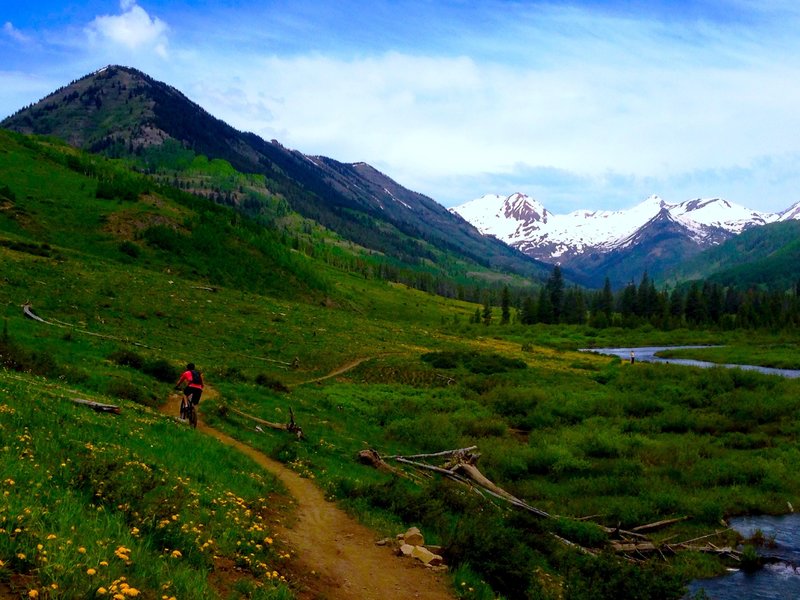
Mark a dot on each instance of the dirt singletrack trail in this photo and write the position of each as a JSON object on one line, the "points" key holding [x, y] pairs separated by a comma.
{"points": [[343, 369], [336, 557]]}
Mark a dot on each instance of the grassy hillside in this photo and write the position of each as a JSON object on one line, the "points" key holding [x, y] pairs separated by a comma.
{"points": [[125, 305]]}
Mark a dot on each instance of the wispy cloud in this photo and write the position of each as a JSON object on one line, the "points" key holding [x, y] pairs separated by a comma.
{"points": [[15, 34], [133, 29]]}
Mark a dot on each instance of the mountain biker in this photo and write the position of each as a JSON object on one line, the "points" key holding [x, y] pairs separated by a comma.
{"points": [[194, 387]]}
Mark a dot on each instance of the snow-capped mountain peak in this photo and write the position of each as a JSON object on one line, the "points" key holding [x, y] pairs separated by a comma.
{"points": [[526, 224]]}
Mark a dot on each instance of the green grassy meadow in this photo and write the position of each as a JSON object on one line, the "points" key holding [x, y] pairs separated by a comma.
{"points": [[131, 290]]}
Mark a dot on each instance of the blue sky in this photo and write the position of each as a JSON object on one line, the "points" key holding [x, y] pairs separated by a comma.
{"points": [[589, 104]]}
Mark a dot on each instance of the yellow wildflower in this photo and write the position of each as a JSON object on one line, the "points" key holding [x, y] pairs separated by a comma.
{"points": [[91, 572], [82, 550], [176, 554], [101, 591], [33, 594]]}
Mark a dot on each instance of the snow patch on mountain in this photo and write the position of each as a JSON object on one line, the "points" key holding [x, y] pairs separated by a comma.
{"points": [[525, 223]]}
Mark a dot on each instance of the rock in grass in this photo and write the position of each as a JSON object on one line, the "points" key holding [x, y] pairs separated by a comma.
{"points": [[425, 556], [414, 537]]}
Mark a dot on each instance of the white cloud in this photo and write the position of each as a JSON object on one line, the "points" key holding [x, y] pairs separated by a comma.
{"points": [[15, 34], [134, 29], [614, 103]]}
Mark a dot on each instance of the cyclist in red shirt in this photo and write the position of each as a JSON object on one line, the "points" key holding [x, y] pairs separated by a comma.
{"points": [[194, 379]]}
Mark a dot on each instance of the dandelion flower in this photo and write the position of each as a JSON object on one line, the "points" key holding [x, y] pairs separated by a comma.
{"points": [[176, 554], [33, 594], [82, 550], [101, 591], [91, 572]]}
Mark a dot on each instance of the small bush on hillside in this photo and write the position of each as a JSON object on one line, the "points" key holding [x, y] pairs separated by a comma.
{"points": [[129, 248], [234, 374], [127, 358], [125, 390], [268, 381], [442, 360], [163, 238], [17, 358], [475, 362], [161, 370]]}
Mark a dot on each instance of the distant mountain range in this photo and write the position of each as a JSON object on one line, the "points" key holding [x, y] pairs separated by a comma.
{"points": [[653, 236], [122, 112]]}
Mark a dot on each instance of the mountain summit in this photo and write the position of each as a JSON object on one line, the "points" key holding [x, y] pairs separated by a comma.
{"points": [[122, 112], [652, 236]]}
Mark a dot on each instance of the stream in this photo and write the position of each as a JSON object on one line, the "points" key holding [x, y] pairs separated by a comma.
{"points": [[648, 354], [777, 581]]}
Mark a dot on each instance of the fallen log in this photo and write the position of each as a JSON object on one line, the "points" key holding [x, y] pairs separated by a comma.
{"points": [[659, 524], [291, 426], [372, 458], [98, 406]]}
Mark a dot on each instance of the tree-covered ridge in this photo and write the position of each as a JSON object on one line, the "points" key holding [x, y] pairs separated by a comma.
{"points": [[765, 257], [700, 304]]}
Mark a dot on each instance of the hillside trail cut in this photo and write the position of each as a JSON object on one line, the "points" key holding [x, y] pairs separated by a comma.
{"points": [[336, 557]]}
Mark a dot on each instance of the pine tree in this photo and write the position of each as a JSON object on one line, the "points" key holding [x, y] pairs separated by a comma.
{"points": [[555, 290], [505, 306], [487, 311]]}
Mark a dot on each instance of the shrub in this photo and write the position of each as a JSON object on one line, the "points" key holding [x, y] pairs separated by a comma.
{"points": [[161, 369], [584, 533], [129, 248], [17, 358], [127, 358], [270, 382], [125, 390], [234, 374], [163, 238]]}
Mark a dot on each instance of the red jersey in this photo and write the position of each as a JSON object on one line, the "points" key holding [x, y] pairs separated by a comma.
{"points": [[193, 378]]}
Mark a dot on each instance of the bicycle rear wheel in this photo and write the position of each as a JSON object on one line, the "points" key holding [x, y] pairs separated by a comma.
{"points": [[192, 413]]}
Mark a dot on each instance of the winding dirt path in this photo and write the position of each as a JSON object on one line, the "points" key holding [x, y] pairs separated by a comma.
{"points": [[337, 558], [343, 369]]}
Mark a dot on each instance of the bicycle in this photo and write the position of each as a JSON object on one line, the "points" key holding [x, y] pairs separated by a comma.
{"points": [[188, 411]]}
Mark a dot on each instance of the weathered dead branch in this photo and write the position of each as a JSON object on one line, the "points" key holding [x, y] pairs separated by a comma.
{"points": [[291, 426], [659, 524], [99, 407], [27, 310], [460, 466]]}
